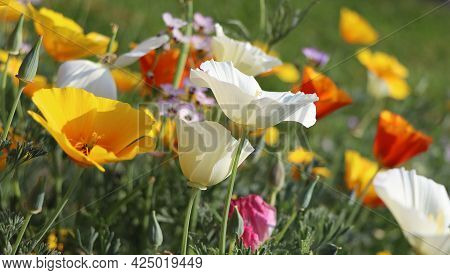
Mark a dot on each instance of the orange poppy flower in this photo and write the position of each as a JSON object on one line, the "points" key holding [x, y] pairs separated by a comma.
{"points": [[397, 141], [330, 96], [160, 68]]}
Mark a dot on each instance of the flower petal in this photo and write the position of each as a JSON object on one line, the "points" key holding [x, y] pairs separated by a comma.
{"points": [[140, 50]]}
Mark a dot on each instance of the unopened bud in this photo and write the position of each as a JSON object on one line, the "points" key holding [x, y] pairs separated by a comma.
{"points": [[277, 175], [236, 226], [36, 198], [156, 235], [309, 193], [29, 66], [14, 42]]}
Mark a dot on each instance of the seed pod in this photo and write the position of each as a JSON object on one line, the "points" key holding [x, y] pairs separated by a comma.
{"points": [[29, 66], [14, 42], [156, 235], [36, 197], [236, 226], [309, 193]]}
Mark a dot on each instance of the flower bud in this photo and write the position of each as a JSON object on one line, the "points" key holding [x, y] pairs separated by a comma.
{"points": [[278, 175], [28, 68], [36, 197], [309, 193], [14, 42], [156, 235], [236, 226]]}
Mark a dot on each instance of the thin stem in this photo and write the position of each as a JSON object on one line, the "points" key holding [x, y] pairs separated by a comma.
{"points": [[359, 130], [23, 228], [262, 16], [187, 219], [13, 109], [226, 210], [3, 89], [185, 50], [283, 231], [59, 209], [231, 247], [115, 29]]}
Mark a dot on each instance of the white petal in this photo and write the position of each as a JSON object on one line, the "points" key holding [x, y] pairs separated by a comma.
{"points": [[420, 206], [87, 75], [205, 152], [245, 57], [241, 99], [140, 50]]}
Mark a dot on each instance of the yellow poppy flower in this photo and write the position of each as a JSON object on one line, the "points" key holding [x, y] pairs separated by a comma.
{"points": [[64, 39], [300, 156], [271, 136], [359, 172], [126, 80], [322, 171], [384, 252], [93, 130], [355, 29], [10, 11], [388, 69]]}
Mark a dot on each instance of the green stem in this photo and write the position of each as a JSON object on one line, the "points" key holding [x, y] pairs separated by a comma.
{"points": [[13, 109], [283, 231], [262, 16], [185, 50], [187, 219], [367, 119], [59, 209], [226, 210], [231, 247], [21, 233], [3, 89]]}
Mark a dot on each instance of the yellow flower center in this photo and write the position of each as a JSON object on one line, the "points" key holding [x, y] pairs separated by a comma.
{"points": [[85, 145]]}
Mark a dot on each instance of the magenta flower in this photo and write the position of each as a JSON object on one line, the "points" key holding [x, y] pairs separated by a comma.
{"points": [[173, 22], [259, 219], [204, 24], [316, 56]]}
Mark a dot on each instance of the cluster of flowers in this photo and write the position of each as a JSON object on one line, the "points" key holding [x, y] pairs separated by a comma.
{"points": [[78, 109]]}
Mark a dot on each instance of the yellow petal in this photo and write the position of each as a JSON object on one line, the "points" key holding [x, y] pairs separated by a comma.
{"points": [[271, 136], [287, 72], [10, 12], [398, 88], [126, 80], [355, 29], [300, 156]]}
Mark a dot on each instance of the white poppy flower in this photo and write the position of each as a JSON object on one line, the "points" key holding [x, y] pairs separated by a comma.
{"points": [[205, 152], [420, 206], [90, 76], [96, 77], [245, 57], [243, 101]]}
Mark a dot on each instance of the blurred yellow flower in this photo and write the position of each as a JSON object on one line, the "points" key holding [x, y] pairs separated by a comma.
{"points": [[384, 252], [126, 80], [93, 130], [286, 72], [271, 136], [168, 136], [64, 39], [13, 66], [10, 11], [387, 69], [359, 172], [355, 29], [56, 239], [300, 156], [322, 171]]}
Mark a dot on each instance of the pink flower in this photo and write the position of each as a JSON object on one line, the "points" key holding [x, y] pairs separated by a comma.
{"points": [[259, 219]]}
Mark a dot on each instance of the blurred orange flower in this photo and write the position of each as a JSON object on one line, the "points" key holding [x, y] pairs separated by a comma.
{"points": [[359, 173], [389, 71], [159, 68], [330, 96], [15, 140], [93, 130], [397, 141], [355, 29], [39, 82], [64, 39]]}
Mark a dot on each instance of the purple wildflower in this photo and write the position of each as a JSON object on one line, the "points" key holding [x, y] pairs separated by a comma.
{"points": [[316, 56], [204, 24], [173, 22], [170, 91], [201, 43], [179, 36]]}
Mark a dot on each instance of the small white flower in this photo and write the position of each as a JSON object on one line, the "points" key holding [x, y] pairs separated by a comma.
{"points": [[420, 206], [243, 101], [245, 57], [97, 78], [205, 152]]}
